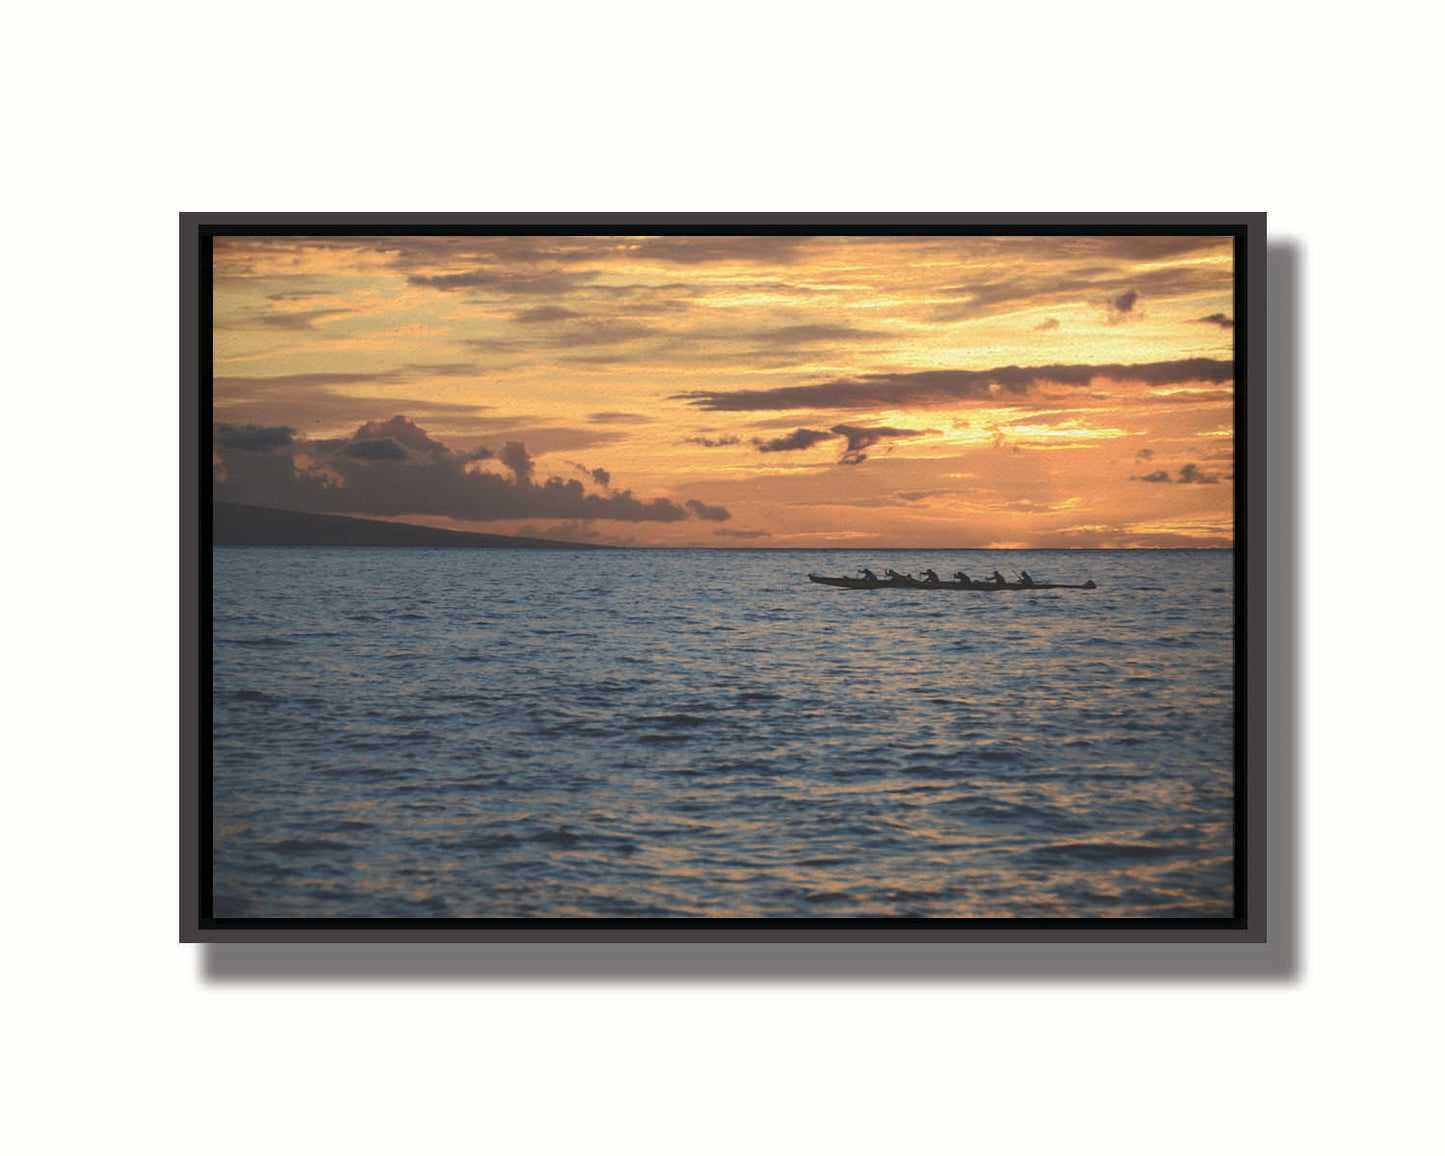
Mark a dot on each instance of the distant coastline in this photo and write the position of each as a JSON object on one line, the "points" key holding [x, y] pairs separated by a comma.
{"points": [[234, 524], [238, 525]]}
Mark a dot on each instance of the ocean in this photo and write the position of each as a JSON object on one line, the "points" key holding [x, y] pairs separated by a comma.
{"points": [[499, 733]]}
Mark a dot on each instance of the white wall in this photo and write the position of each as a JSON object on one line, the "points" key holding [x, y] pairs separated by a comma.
{"points": [[125, 115]]}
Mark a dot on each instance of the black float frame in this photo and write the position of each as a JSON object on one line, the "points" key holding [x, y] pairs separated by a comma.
{"points": [[1250, 923]]}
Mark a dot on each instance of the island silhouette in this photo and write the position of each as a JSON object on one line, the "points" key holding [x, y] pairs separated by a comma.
{"points": [[238, 525]]}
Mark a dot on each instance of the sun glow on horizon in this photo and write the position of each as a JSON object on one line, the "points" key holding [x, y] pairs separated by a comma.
{"points": [[748, 391]]}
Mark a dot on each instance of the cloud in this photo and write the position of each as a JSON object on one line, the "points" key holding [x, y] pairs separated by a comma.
{"points": [[585, 333], [415, 253], [577, 334], [599, 475], [789, 335], [404, 432], [1038, 281], [1189, 475], [252, 437], [713, 443], [376, 450], [545, 313], [703, 250], [1224, 321], [1144, 456], [305, 381], [614, 418], [515, 457], [407, 472], [568, 532], [502, 281], [705, 512], [861, 439], [1122, 306], [943, 386], [299, 294], [480, 454], [799, 439], [297, 320], [1046, 324], [726, 533], [541, 438], [396, 439], [1146, 248]]}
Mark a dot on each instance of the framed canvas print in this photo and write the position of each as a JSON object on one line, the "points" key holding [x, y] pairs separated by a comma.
{"points": [[838, 576]]}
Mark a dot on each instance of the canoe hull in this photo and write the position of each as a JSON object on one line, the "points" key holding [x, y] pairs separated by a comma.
{"points": [[916, 584]]}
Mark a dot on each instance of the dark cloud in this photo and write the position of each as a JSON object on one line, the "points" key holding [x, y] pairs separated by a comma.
{"points": [[861, 439], [1223, 320], [705, 512], [1189, 475], [502, 281], [799, 439], [1120, 307], [941, 386], [252, 437], [713, 443], [615, 418], [1079, 285], [404, 432], [599, 475], [726, 533], [1046, 324], [515, 457], [382, 476], [544, 313], [1144, 456], [480, 454], [376, 450], [297, 320]]}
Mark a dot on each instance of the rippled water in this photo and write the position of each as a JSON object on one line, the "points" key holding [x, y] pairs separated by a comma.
{"points": [[505, 733]]}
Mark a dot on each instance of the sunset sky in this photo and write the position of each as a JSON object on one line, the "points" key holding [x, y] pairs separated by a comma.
{"points": [[944, 392]]}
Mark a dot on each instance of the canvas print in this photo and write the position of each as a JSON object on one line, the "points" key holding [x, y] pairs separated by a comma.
{"points": [[700, 576]]}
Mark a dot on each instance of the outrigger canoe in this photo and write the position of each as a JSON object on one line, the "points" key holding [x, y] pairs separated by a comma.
{"points": [[921, 584]]}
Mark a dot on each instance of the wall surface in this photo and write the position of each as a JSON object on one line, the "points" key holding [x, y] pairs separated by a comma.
{"points": [[126, 116]]}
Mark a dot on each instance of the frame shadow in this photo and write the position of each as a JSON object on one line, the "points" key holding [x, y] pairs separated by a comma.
{"points": [[1278, 960]]}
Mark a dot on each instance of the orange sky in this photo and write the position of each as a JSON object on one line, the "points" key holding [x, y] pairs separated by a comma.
{"points": [[735, 391]]}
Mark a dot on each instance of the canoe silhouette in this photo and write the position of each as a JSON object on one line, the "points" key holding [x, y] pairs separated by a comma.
{"points": [[910, 583]]}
